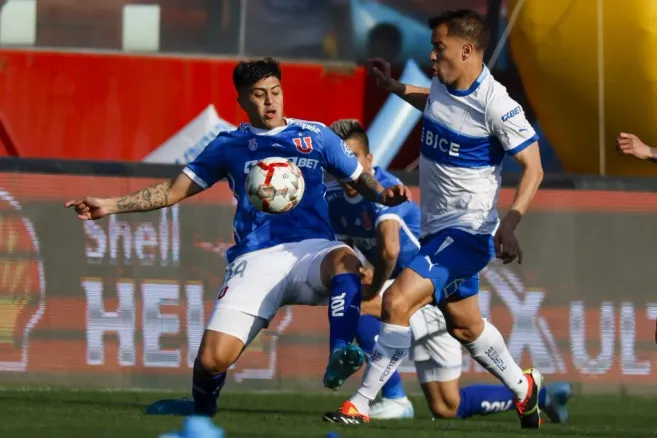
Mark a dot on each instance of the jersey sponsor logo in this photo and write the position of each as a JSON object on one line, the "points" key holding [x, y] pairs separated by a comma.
{"points": [[496, 406], [337, 305], [434, 140], [511, 114], [308, 163], [307, 126]]}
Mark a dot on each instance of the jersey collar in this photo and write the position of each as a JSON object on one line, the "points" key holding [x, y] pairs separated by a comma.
{"points": [[462, 93]]}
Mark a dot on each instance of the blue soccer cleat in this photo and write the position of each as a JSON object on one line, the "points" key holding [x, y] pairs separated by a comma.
{"points": [[558, 395], [178, 406], [182, 407], [343, 362]]}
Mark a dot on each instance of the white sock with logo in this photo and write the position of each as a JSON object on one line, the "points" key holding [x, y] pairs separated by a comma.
{"points": [[389, 350], [489, 349]]}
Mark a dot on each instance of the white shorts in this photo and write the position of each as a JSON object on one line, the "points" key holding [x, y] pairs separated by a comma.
{"points": [[259, 283], [437, 355]]}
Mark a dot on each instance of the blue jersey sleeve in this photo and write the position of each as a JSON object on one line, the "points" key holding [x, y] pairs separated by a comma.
{"points": [[340, 161], [209, 167], [396, 213]]}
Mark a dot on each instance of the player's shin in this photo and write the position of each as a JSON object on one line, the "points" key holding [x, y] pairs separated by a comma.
{"points": [[368, 328], [490, 351], [389, 350], [488, 399], [206, 388], [344, 309]]}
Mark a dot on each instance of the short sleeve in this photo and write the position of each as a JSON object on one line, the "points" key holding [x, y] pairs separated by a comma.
{"points": [[209, 167], [507, 122], [340, 161], [396, 213]]}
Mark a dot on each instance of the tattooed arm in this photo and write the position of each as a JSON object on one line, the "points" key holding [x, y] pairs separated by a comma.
{"points": [[154, 197], [368, 186], [157, 196]]}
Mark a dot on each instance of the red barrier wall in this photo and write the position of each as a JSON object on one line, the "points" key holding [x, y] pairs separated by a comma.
{"points": [[121, 107]]}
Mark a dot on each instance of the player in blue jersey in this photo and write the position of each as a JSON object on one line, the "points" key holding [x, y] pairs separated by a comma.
{"points": [[470, 124], [277, 260], [387, 238]]}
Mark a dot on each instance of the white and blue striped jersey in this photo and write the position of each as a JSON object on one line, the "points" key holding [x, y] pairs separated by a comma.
{"points": [[356, 219], [464, 138]]}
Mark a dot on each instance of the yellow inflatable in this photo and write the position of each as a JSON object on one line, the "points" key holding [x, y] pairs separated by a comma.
{"points": [[554, 44]]}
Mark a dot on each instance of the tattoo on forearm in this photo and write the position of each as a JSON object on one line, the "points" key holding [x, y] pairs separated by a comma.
{"points": [[368, 186], [150, 198]]}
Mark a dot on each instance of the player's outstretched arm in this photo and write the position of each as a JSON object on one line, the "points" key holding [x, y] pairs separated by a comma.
{"points": [[506, 245], [372, 190], [387, 246], [160, 195], [380, 69], [630, 144]]}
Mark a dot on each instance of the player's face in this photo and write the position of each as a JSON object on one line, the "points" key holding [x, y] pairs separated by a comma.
{"points": [[263, 103], [448, 55], [364, 159]]}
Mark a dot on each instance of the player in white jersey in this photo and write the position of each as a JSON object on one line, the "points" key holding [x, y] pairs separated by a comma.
{"points": [[470, 122]]}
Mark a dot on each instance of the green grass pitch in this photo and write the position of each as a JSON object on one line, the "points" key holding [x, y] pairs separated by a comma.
{"points": [[35, 413]]}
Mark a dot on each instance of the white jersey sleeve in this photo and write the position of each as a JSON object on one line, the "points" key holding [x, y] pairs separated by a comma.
{"points": [[506, 121]]}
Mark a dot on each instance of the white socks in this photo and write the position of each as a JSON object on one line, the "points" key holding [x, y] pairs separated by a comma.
{"points": [[490, 351], [389, 350]]}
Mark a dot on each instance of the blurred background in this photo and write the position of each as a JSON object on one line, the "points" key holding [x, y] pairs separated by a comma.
{"points": [[107, 96]]}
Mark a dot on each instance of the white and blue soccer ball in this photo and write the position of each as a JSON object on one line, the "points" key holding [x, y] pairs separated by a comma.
{"points": [[275, 185]]}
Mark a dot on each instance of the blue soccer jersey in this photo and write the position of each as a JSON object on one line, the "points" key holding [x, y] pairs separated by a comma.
{"points": [[356, 219], [311, 145]]}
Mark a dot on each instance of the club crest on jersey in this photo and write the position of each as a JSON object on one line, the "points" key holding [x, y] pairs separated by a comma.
{"points": [[303, 144], [253, 144]]}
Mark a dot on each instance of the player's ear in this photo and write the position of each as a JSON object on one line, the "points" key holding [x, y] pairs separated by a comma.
{"points": [[466, 51]]}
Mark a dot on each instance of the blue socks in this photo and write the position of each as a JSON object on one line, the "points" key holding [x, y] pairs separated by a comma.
{"points": [[368, 328], [344, 309], [206, 388], [489, 399]]}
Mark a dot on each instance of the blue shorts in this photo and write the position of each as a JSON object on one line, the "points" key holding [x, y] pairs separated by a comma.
{"points": [[452, 260]]}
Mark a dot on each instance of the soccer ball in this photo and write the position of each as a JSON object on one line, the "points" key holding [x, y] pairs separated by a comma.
{"points": [[275, 185]]}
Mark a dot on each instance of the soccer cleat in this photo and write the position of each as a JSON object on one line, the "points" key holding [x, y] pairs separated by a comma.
{"points": [[177, 406], [182, 407], [558, 395], [343, 363], [528, 410], [347, 414], [392, 409]]}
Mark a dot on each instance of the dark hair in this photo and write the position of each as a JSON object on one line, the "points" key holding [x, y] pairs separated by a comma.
{"points": [[466, 24], [351, 128], [247, 73]]}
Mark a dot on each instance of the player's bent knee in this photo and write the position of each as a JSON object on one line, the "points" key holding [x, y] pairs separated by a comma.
{"points": [[396, 308], [341, 260], [218, 351]]}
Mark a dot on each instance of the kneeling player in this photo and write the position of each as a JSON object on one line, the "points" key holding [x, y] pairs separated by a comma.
{"points": [[387, 237]]}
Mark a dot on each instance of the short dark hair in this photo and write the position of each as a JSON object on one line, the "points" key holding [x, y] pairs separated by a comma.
{"points": [[466, 24], [247, 73], [351, 128]]}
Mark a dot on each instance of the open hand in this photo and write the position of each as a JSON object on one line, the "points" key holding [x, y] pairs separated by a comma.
{"points": [[380, 69], [89, 208]]}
